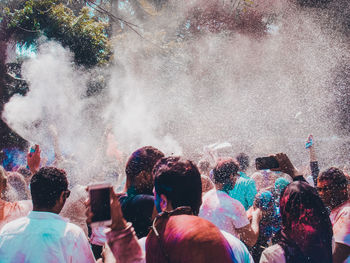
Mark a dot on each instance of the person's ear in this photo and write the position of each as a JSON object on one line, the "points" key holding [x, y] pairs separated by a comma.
{"points": [[163, 202], [63, 197]]}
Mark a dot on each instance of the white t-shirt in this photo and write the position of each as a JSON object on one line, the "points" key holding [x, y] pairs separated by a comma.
{"points": [[226, 213], [43, 237], [273, 254], [340, 218]]}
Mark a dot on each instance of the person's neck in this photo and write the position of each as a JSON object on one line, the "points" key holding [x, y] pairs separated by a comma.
{"points": [[50, 210]]}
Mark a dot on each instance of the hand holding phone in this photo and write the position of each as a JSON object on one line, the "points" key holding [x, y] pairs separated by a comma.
{"points": [[118, 221], [100, 204], [285, 165], [263, 163]]}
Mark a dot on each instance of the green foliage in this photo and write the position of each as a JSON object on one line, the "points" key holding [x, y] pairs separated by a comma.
{"points": [[83, 34]]}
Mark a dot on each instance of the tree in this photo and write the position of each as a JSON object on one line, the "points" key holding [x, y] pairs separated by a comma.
{"points": [[84, 35], [69, 22]]}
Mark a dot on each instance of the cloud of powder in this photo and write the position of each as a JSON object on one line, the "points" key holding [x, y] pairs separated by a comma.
{"points": [[263, 95]]}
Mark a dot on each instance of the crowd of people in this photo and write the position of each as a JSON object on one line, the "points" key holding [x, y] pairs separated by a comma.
{"points": [[174, 210]]}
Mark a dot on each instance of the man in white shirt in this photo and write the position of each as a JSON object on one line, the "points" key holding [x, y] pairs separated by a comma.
{"points": [[43, 235], [225, 212]]}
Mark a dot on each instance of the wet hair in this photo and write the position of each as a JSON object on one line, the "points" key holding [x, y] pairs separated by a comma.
{"points": [[180, 181], [142, 159], [335, 176], [224, 169], [243, 160], [47, 185]]}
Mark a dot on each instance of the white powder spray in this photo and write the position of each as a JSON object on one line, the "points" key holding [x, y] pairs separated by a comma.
{"points": [[264, 95]]}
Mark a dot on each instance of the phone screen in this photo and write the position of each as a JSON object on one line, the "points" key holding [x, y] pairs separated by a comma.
{"points": [[100, 204], [266, 163]]}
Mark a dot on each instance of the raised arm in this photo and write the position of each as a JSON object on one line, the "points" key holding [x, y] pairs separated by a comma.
{"points": [[33, 160], [313, 159]]}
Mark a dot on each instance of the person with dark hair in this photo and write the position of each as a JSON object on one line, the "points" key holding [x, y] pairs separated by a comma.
{"points": [[332, 188], [43, 235], [139, 169], [244, 189], [226, 212], [177, 182], [177, 234], [306, 233], [137, 201]]}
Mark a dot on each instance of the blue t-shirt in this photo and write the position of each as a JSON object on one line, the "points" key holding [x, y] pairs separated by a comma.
{"points": [[244, 190]]}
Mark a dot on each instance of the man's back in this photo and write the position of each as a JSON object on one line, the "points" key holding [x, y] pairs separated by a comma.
{"points": [[43, 237], [223, 211]]}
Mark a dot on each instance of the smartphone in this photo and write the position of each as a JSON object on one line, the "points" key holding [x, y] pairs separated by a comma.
{"points": [[100, 204], [263, 163]]}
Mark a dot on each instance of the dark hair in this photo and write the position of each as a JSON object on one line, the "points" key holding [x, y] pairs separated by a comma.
{"points": [[306, 234], [243, 160], [336, 176], [224, 169], [180, 181], [142, 159], [47, 185]]}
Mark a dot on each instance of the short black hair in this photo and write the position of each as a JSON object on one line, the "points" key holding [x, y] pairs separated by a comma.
{"points": [[335, 176], [142, 159], [47, 185], [180, 181], [243, 160], [224, 169]]}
